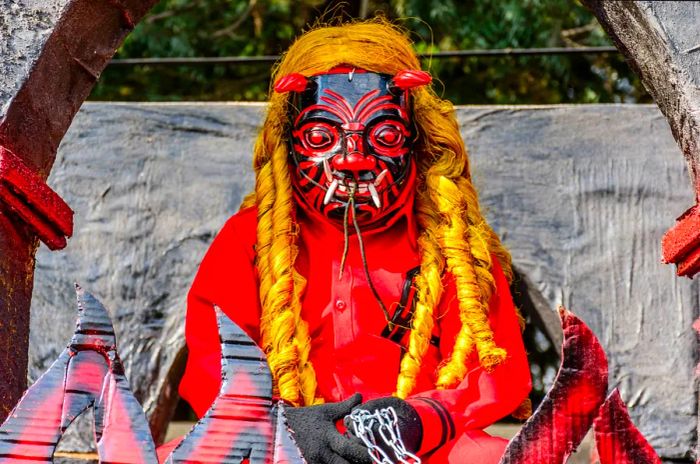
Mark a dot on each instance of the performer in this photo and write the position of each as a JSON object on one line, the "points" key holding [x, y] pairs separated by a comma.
{"points": [[362, 263]]}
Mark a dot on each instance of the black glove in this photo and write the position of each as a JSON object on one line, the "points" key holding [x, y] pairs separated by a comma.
{"points": [[408, 420], [318, 438]]}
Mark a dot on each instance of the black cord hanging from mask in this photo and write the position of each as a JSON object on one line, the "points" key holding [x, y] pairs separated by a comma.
{"points": [[346, 232]]}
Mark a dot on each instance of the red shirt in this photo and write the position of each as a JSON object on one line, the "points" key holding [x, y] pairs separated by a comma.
{"points": [[345, 322]]}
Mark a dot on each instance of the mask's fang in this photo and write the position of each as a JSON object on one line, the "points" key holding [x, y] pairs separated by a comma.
{"points": [[375, 195], [330, 192], [327, 170], [380, 177]]}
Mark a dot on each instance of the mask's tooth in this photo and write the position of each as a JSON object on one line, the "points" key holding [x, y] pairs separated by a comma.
{"points": [[375, 195], [330, 192], [380, 177], [327, 170]]}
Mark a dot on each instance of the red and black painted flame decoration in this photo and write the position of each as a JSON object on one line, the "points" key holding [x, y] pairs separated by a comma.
{"points": [[617, 439], [26, 195], [243, 422], [573, 404], [246, 423], [352, 133], [570, 406], [87, 374]]}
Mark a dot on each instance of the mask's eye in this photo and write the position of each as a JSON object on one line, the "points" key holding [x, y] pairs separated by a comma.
{"points": [[319, 136], [388, 134]]}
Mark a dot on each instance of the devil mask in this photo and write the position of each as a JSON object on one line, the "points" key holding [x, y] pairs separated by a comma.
{"points": [[350, 141]]}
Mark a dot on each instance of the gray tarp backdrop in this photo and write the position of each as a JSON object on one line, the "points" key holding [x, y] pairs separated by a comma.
{"points": [[580, 194]]}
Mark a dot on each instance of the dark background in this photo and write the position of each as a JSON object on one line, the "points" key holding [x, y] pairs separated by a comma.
{"points": [[216, 28]]}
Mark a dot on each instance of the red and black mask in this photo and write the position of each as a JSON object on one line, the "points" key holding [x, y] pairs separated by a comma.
{"points": [[351, 136]]}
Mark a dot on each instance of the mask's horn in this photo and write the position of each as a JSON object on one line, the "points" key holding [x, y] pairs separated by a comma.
{"points": [[293, 82], [409, 79]]}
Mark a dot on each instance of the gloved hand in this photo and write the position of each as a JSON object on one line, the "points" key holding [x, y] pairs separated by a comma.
{"points": [[318, 438], [408, 420]]}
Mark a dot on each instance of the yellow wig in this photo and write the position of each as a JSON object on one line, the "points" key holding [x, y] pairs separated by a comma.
{"points": [[454, 235]]}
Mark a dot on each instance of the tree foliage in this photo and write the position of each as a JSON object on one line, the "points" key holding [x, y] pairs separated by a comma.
{"points": [[197, 28]]}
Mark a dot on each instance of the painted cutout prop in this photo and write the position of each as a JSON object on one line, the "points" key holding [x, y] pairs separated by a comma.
{"points": [[567, 411], [576, 401], [88, 373], [617, 439], [245, 422]]}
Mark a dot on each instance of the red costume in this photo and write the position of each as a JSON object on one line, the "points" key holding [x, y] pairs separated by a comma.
{"points": [[348, 352], [349, 148]]}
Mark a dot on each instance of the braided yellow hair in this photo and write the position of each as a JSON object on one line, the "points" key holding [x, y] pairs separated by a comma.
{"points": [[454, 235]]}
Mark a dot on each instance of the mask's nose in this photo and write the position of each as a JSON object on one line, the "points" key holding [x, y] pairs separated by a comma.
{"points": [[354, 159]]}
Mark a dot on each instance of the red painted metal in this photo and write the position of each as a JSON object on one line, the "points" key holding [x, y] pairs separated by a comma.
{"points": [[567, 412], [28, 196], [681, 244], [617, 439]]}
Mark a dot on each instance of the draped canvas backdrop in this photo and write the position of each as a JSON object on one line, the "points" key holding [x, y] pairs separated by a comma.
{"points": [[581, 195]]}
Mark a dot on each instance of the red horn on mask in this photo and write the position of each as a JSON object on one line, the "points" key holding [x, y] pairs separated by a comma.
{"points": [[410, 78], [293, 82]]}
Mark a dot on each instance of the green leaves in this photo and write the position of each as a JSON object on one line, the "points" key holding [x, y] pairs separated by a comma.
{"points": [[192, 28]]}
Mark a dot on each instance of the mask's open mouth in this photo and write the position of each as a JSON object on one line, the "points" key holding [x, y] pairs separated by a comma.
{"points": [[339, 187]]}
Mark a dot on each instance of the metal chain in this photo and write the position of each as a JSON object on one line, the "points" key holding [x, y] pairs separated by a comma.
{"points": [[384, 423]]}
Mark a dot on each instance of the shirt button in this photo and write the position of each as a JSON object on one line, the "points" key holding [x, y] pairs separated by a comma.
{"points": [[340, 305]]}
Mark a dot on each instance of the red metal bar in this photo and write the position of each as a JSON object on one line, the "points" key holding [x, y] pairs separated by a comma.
{"points": [[681, 244], [28, 196]]}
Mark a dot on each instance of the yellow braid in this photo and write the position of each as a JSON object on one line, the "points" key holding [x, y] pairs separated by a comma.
{"points": [[429, 285], [285, 337], [453, 233], [468, 261], [283, 357], [465, 242], [476, 217], [300, 369]]}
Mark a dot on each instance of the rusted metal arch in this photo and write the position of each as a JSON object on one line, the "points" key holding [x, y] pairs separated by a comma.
{"points": [[659, 40], [48, 91]]}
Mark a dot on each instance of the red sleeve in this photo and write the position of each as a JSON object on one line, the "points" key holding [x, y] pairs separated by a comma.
{"points": [[226, 278], [482, 397]]}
